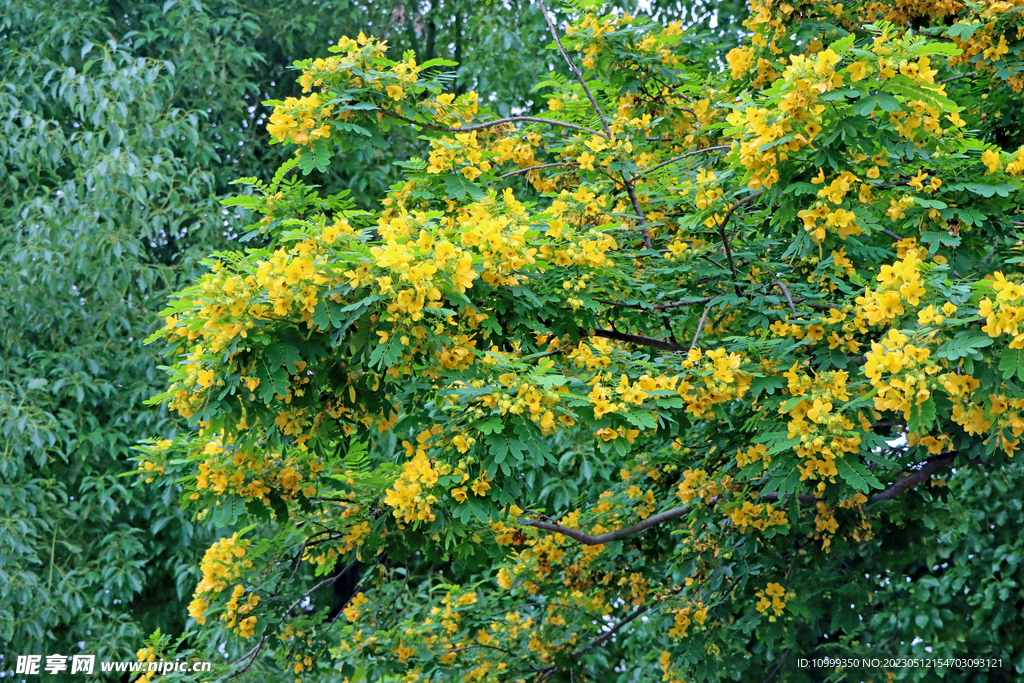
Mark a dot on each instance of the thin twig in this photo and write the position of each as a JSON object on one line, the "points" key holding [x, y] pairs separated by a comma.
{"points": [[250, 655], [639, 212], [534, 168], [688, 154], [700, 326], [572, 67], [687, 302], [490, 124], [780, 285], [470, 647], [326, 582], [553, 353], [778, 667], [637, 613], [732, 209]]}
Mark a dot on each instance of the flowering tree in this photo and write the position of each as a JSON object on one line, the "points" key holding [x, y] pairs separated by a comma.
{"points": [[661, 383]]}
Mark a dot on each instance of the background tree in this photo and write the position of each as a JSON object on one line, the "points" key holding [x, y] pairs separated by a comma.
{"points": [[123, 125]]}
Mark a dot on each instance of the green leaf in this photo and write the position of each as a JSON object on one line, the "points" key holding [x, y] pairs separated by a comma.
{"points": [[922, 416], [854, 473], [864, 106], [1009, 363], [963, 30], [964, 345], [317, 155], [459, 187]]}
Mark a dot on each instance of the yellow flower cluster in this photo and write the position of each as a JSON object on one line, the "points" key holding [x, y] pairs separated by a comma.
{"points": [[524, 396], [228, 470], [757, 453], [722, 377], [825, 525], [740, 60], [900, 283], [761, 129], [300, 121], [592, 29], [1005, 315], [996, 20], [773, 597], [697, 483], [465, 152], [684, 617], [408, 498], [670, 674], [353, 610], [824, 435], [284, 285], [759, 517], [909, 380], [222, 563]]}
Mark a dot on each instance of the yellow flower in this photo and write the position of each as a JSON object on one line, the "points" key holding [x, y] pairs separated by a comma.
{"points": [[459, 494], [395, 92], [858, 71], [990, 158]]}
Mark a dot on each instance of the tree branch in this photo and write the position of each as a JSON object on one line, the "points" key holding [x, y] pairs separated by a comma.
{"points": [[572, 67], [639, 212], [601, 539], [778, 283], [638, 339], [659, 307], [534, 168], [489, 124], [250, 655], [700, 326], [915, 477], [637, 613], [326, 582], [684, 156], [725, 238]]}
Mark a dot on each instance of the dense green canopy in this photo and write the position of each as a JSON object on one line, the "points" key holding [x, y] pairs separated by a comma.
{"points": [[544, 344]]}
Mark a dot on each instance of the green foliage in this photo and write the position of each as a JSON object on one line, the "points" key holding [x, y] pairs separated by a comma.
{"points": [[123, 124]]}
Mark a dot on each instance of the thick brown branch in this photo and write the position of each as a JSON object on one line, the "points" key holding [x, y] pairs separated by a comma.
{"points": [[638, 339], [601, 539], [930, 467]]}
